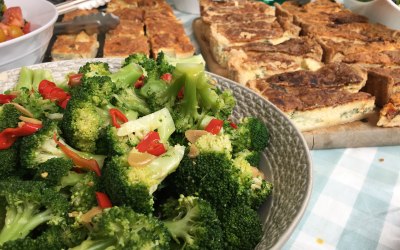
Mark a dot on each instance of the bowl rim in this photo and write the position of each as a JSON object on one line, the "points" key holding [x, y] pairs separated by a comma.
{"points": [[36, 31], [285, 236]]}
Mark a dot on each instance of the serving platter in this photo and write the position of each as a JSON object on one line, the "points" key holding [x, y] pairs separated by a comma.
{"points": [[286, 161]]}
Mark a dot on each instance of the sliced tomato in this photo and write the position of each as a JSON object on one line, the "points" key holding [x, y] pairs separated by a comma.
{"points": [[13, 16], [27, 28], [214, 126]]}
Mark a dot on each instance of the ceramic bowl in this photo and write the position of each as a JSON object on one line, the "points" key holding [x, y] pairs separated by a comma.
{"points": [[286, 161], [29, 48], [379, 11]]}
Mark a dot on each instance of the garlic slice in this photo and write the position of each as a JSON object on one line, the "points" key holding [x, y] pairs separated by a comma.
{"points": [[192, 135], [138, 159]]}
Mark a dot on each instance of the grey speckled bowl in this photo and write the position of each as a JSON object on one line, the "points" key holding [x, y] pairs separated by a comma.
{"points": [[286, 161]]}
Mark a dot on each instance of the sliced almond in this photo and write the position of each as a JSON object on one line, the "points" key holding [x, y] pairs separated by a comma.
{"points": [[87, 217], [193, 151], [257, 173], [193, 135], [138, 159], [30, 120], [22, 109]]}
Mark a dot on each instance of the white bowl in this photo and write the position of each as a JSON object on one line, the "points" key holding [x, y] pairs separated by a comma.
{"points": [[30, 48], [379, 11], [188, 6]]}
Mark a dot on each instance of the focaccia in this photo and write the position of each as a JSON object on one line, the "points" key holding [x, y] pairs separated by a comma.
{"points": [[389, 115]]}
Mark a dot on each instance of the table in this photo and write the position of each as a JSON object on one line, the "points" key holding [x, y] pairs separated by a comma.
{"points": [[355, 201]]}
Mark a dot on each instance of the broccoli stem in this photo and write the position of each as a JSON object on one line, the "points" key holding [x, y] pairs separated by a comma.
{"points": [[21, 220], [209, 98], [179, 228], [127, 75], [95, 244], [25, 79]]}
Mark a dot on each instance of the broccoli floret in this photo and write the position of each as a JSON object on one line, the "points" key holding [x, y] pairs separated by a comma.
{"points": [[29, 204], [253, 188], [193, 223], [121, 140], [96, 89], [52, 170], [122, 228], [163, 64], [242, 228], [127, 99], [127, 75], [211, 176], [134, 186], [42, 146], [9, 117], [252, 157], [2, 8], [141, 59], [9, 161], [210, 143], [251, 134], [79, 187], [91, 69], [34, 102], [82, 124]]}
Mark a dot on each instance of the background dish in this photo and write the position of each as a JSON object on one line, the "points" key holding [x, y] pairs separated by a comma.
{"points": [[379, 11], [30, 48], [286, 162]]}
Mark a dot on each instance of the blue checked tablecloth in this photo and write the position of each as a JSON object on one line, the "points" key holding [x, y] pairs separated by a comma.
{"points": [[355, 201]]}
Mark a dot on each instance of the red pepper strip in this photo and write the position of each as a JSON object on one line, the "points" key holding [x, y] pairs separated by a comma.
{"points": [[74, 79], [63, 104], [233, 125], [116, 116], [139, 82], [180, 93], [45, 87], [151, 144], [102, 200], [6, 98], [166, 77], [214, 126], [9, 135], [79, 161]]}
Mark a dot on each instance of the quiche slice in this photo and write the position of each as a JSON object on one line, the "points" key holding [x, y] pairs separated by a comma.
{"points": [[389, 115]]}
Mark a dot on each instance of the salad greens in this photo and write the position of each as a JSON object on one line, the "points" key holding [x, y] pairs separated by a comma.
{"points": [[145, 157]]}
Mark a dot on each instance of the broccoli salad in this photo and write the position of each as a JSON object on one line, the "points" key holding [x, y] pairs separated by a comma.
{"points": [[146, 157]]}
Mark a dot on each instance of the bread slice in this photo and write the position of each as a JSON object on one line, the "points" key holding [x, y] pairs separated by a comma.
{"points": [[67, 47], [259, 60], [332, 76], [73, 46], [131, 14], [383, 83], [313, 108], [389, 115], [214, 8], [123, 46], [115, 5], [223, 36], [127, 28]]}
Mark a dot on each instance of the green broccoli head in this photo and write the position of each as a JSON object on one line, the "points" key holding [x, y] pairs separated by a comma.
{"points": [[34, 102], [127, 99], [141, 59], [252, 157], [210, 143], [92, 69], [134, 186], [242, 228], [211, 176], [192, 223], [82, 123], [10, 161], [251, 134], [164, 67], [253, 188], [119, 145], [83, 192], [52, 170], [121, 227], [96, 89], [28, 205], [127, 75], [9, 116]]}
